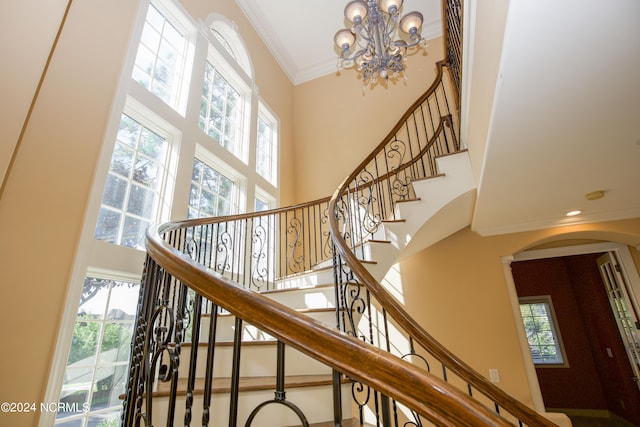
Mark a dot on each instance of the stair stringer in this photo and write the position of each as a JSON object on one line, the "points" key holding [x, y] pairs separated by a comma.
{"points": [[444, 204]]}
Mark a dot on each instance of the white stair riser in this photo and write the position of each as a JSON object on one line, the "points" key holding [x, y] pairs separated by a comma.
{"points": [[306, 298], [321, 276], [226, 325], [255, 361], [315, 402]]}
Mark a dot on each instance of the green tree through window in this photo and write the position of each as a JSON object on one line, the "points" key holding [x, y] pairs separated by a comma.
{"points": [[540, 327]]}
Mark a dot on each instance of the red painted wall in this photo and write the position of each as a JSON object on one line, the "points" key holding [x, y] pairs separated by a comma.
{"points": [[593, 380]]}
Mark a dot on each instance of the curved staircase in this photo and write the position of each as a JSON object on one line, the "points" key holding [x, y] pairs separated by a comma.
{"points": [[309, 384], [279, 318]]}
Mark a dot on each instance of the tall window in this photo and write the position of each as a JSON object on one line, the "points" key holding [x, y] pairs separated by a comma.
{"points": [[221, 111], [160, 61], [96, 371], [132, 191], [267, 149], [543, 335]]}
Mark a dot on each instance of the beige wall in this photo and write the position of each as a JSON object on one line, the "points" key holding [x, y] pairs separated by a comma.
{"points": [[457, 290], [19, 78], [42, 208], [337, 124]]}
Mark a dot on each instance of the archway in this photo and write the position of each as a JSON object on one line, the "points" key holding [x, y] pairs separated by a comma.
{"points": [[597, 377]]}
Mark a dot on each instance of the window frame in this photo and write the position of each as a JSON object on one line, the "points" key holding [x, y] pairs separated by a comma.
{"points": [[165, 191], [554, 328], [187, 30], [220, 166], [239, 183], [97, 364], [274, 146], [220, 65]]}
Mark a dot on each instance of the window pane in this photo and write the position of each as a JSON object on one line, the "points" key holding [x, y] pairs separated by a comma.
{"points": [[221, 111], [108, 228], [122, 159], [129, 131], [212, 194], [115, 190], [266, 150], [159, 62], [76, 389], [261, 205], [141, 201], [134, 231]]}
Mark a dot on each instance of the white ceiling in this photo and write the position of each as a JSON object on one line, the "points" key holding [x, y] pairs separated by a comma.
{"points": [[565, 117], [300, 32]]}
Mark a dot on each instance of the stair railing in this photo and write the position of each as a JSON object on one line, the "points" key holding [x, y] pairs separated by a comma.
{"points": [[367, 199], [200, 269]]}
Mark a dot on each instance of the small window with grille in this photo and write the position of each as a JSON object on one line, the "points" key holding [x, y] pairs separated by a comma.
{"points": [[542, 331]]}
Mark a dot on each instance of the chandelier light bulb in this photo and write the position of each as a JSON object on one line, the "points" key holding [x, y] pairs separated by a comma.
{"points": [[411, 22], [344, 39], [356, 11], [390, 6]]}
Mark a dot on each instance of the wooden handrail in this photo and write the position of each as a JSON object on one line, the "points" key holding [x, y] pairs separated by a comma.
{"points": [[422, 392]]}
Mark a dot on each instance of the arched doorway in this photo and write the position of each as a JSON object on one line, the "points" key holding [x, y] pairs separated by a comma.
{"points": [[596, 377]]}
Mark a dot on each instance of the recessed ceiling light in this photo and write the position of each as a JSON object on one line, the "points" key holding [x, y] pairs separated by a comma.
{"points": [[573, 213]]}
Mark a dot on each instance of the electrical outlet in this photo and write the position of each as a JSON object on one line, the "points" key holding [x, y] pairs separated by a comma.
{"points": [[494, 376]]}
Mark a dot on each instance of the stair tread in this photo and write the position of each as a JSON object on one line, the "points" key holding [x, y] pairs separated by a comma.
{"points": [[223, 384]]}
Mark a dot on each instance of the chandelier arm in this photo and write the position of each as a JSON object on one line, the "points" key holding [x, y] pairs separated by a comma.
{"points": [[345, 55], [390, 26], [363, 32], [408, 45]]}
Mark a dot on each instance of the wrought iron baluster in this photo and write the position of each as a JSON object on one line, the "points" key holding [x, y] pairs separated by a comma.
{"points": [[235, 374], [193, 359], [208, 376]]}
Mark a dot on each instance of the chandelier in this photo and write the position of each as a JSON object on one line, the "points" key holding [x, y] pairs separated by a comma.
{"points": [[376, 53]]}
